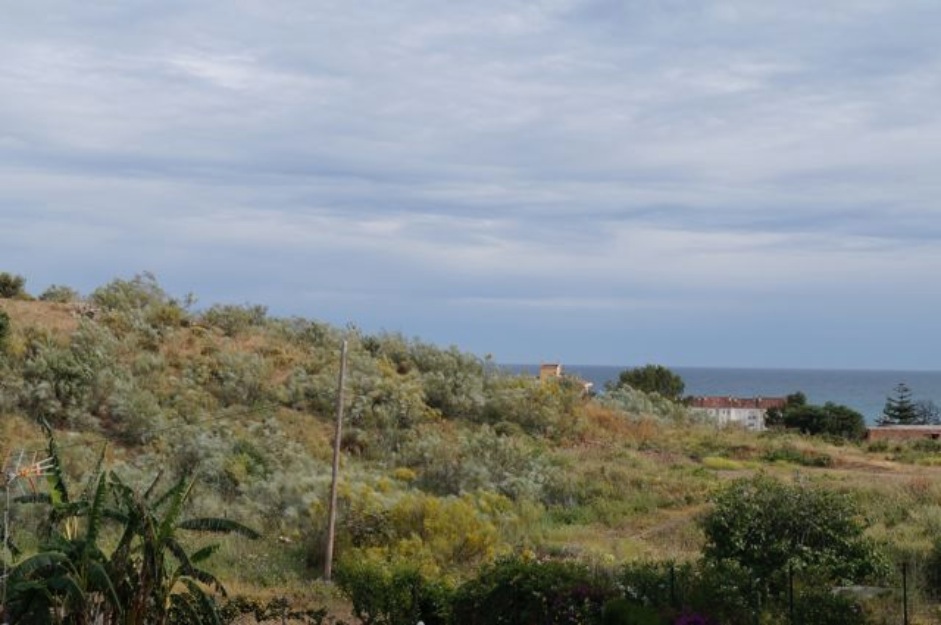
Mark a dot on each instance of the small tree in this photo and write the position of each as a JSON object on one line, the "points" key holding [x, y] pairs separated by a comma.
{"points": [[899, 408], [830, 419], [774, 417], [60, 294], [765, 526], [11, 285], [928, 412], [652, 379]]}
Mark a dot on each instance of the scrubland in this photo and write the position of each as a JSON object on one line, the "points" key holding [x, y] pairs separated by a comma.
{"points": [[448, 464]]}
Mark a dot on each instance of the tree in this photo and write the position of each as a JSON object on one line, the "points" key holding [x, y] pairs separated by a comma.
{"points": [[830, 419], [774, 417], [928, 412], [652, 379], [899, 408], [764, 526], [60, 294], [11, 285]]}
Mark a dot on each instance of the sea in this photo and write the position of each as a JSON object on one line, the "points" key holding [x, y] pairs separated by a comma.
{"points": [[862, 390]]}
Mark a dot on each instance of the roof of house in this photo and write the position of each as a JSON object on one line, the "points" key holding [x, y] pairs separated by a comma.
{"points": [[762, 403]]}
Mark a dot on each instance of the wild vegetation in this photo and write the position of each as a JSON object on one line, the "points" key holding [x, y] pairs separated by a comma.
{"points": [[461, 485]]}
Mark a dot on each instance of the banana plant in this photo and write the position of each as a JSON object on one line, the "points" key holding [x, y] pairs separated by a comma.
{"points": [[68, 580], [155, 575], [147, 578]]}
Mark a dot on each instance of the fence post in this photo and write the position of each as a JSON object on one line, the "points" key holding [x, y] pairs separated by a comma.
{"points": [[673, 585], [790, 592], [905, 592]]}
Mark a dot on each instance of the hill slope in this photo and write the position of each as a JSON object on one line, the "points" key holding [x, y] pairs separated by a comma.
{"points": [[447, 462]]}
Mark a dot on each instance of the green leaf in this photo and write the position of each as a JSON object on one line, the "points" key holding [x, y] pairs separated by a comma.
{"points": [[220, 526]]}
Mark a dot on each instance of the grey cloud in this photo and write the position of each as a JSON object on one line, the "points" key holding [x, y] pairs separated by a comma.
{"points": [[498, 157]]}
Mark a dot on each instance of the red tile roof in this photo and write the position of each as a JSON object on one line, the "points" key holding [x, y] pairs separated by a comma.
{"points": [[763, 403]]}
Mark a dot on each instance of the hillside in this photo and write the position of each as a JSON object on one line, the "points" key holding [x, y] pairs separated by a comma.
{"points": [[448, 463]]}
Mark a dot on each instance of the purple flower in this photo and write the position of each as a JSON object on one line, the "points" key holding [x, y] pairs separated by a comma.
{"points": [[691, 618]]}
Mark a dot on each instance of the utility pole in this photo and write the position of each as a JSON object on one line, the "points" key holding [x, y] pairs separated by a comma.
{"points": [[332, 515]]}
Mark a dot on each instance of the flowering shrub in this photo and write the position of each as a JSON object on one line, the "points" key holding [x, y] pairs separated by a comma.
{"points": [[691, 618]]}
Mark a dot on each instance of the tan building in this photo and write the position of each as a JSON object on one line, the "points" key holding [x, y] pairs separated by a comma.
{"points": [[903, 432], [553, 371], [550, 370]]}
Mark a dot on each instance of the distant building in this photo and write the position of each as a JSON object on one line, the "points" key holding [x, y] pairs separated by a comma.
{"points": [[903, 432], [748, 412], [553, 371], [550, 370]]}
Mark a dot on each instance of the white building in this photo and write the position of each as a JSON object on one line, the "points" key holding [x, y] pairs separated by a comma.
{"points": [[747, 412]]}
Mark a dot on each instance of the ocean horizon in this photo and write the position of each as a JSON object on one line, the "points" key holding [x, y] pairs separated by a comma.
{"points": [[860, 389]]}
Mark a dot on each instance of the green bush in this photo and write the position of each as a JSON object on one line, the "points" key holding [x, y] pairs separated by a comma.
{"points": [[4, 329], [634, 402], [133, 413], [806, 458], [822, 607], [59, 294], [392, 595], [239, 378], [141, 308], [624, 612], [651, 379], [234, 320], [474, 459], [514, 591], [540, 408], [764, 526], [11, 286]]}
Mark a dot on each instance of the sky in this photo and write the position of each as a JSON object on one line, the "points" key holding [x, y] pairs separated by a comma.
{"points": [[732, 183]]}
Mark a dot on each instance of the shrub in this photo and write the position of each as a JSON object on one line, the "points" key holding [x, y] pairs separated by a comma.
{"points": [[634, 402], [764, 526], [234, 320], [546, 408], [240, 378], [803, 457], [139, 308], [652, 379], [133, 413], [58, 384], [11, 286], [932, 570], [472, 460], [624, 612], [392, 595], [59, 294], [515, 590], [4, 328], [821, 607]]}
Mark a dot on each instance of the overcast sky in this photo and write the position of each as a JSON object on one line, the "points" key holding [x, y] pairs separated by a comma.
{"points": [[686, 182]]}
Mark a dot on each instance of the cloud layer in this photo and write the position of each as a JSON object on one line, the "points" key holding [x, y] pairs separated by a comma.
{"points": [[696, 183]]}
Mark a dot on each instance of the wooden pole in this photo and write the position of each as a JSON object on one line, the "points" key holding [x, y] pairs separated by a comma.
{"points": [[332, 518], [905, 592]]}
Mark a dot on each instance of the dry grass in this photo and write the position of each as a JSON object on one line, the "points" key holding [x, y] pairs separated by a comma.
{"points": [[60, 319]]}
